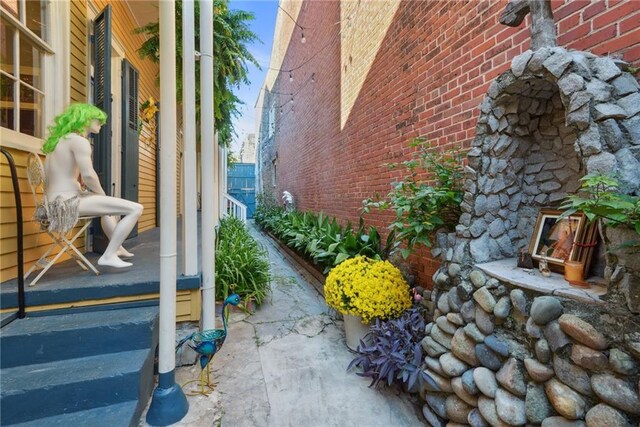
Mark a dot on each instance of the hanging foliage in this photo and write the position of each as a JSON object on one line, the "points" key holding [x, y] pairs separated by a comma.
{"points": [[148, 110], [231, 58]]}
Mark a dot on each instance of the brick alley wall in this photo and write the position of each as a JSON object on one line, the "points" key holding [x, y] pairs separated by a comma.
{"points": [[386, 72]]}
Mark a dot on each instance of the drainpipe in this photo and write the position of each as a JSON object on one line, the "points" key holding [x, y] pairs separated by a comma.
{"points": [[225, 169], [190, 213], [168, 404], [207, 143], [216, 179], [221, 190], [222, 179]]}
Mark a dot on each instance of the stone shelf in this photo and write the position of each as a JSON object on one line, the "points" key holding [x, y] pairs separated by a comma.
{"points": [[506, 271]]}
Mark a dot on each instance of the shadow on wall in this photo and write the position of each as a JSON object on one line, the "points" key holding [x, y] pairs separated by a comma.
{"points": [[389, 87], [418, 83]]}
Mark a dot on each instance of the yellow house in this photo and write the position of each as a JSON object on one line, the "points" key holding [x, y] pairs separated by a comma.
{"points": [[54, 52], [58, 52]]}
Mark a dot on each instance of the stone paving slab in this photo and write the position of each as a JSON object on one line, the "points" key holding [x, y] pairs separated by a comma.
{"points": [[285, 366]]}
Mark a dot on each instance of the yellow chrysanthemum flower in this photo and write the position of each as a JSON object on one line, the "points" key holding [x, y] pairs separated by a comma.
{"points": [[365, 287]]}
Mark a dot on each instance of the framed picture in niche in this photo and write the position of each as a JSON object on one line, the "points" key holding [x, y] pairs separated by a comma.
{"points": [[557, 239]]}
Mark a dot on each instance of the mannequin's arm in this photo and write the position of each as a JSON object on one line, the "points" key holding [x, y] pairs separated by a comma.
{"points": [[82, 153]]}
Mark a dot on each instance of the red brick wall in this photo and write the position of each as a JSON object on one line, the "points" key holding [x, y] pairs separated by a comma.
{"points": [[430, 73]]}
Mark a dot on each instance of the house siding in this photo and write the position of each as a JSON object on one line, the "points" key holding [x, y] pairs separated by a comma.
{"points": [[78, 52], [423, 74], [35, 241], [123, 25]]}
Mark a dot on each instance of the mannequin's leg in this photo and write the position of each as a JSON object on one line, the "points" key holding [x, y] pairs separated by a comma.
{"points": [[109, 224], [105, 205]]}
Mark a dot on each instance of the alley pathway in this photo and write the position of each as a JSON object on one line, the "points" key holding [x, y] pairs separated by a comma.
{"points": [[285, 366]]}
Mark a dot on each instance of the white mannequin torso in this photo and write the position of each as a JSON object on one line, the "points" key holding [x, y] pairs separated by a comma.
{"points": [[70, 159], [61, 169]]}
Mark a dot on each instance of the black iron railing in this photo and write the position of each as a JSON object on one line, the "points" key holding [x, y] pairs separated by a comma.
{"points": [[16, 193]]}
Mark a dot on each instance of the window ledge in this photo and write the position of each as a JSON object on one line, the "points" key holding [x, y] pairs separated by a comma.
{"points": [[20, 141], [506, 271]]}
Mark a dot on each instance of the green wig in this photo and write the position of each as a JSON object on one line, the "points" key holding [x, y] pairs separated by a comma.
{"points": [[74, 119]]}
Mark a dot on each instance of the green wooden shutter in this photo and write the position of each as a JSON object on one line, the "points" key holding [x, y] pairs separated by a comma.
{"points": [[130, 135], [102, 99]]}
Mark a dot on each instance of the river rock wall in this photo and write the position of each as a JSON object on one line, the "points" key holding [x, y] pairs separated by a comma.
{"points": [[503, 356]]}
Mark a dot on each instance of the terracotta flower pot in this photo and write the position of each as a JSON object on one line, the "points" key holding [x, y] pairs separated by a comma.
{"points": [[574, 273], [354, 330]]}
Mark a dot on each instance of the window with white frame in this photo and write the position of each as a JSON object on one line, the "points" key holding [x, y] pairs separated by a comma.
{"points": [[24, 39]]}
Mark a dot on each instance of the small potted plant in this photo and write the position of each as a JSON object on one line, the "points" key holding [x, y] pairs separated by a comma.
{"points": [[616, 214], [363, 289]]}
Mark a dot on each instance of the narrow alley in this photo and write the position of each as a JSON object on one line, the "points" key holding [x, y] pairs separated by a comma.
{"points": [[285, 366]]}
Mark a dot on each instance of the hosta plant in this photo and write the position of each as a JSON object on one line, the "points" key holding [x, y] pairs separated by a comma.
{"points": [[391, 351], [319, 238]]}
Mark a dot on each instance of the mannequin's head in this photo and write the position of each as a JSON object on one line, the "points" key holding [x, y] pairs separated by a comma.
{"points": [[94, 126], [77, 118]]}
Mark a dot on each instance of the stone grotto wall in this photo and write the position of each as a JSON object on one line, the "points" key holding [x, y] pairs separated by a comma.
{"points": [[553, 117], [497, 355], [529, 163], [501, 355]]}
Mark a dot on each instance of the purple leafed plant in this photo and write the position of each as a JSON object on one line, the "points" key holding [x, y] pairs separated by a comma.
{"points": [[391, 351]]}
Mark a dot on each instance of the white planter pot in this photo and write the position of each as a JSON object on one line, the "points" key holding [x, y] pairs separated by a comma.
{"points": [[354, 330]]}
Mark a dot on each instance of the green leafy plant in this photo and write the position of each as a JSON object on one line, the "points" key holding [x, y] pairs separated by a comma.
{"points": [[266, 207], [329, 251], [232, 36], [242, 266], [420, 207], [320, 238], [599, 199]]}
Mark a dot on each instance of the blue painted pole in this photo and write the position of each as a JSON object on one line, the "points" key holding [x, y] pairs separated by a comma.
{"points": [[168, 403]]}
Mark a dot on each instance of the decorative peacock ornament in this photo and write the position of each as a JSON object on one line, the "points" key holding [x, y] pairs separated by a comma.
{"points": [[207, 343]]}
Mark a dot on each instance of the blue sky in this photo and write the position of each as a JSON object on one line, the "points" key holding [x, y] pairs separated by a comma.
{"points": [[263, 25]]}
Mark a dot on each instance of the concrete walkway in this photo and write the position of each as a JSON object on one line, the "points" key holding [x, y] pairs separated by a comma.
{"points": [[285, 366]]}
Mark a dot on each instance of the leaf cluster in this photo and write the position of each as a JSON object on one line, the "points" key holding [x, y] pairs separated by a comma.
{"points": [[391, 351], [320, 238], [421, 207], [599, 198], [265, 203], [242, 265], [230, 66]]}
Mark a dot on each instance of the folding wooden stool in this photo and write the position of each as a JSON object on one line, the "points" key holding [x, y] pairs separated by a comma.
{"points": [[37, 181]]}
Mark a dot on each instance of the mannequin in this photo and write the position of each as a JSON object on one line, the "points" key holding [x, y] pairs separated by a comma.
{"points": [[68, 157]]}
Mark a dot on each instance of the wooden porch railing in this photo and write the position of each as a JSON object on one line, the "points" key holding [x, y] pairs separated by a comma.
{"points": [[231, 206]]}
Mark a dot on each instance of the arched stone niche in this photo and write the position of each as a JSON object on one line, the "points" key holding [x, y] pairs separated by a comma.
{"points": [[553, 117]]}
